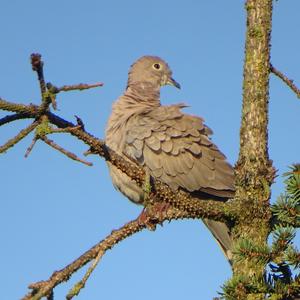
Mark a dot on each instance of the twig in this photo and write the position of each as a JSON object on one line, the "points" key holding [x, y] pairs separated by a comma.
{"points": [[53, 101], [64, 151], [37, 66], [286, 80], [44, 288], [80, 284], [80, 87], [47, 97], [65, 130], [23, 133], [80, 123], [53, 90], [89, 152], [29, 149]]}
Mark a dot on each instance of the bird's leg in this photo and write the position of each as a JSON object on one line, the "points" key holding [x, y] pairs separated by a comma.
{"points": [[146, 218], [159, 210], [154, 213]]}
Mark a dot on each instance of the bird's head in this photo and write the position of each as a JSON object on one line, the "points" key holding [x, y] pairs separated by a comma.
{"points": [[151, 70]]}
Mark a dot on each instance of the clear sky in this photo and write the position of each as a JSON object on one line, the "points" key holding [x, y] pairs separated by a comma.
{"points": [[52, 209]]}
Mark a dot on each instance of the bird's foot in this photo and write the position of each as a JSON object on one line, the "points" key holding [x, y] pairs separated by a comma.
{"points": [[160, 211], [145, 218], [154, 214]]}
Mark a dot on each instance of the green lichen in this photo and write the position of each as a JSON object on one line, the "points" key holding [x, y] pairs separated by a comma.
{"points": [[256, 32], [43, 129], [147, 186]]}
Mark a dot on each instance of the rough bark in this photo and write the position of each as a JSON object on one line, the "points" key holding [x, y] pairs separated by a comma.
{"points": [[254, 173]]}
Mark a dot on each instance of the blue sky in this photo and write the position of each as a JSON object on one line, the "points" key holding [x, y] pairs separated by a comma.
{"points": [[52, 209]]}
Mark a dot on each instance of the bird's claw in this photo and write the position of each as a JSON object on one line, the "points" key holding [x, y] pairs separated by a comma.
{"points": [[154, 214]]}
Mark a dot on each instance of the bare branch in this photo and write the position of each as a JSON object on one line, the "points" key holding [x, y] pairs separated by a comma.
{"points": [[80, 86], [43, 288], [14, 117], [29, 149], [30, 109], [65, 88], [53, 100], [286, 80], [80, 284], [37, 66], [80, 122], [65, 130], [23, 133], [64, 151]]}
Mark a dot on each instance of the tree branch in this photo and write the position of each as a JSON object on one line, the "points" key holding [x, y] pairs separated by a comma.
{"points": [[286, 80], [14, 117], [23, 133], [44, 288], [30, 147], [30, 109], [75, 290], [73, 87], [37, 66], [215, 210], [64, 151]]}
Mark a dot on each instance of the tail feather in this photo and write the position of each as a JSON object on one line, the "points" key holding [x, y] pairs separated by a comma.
{"points": [[222, 235]]}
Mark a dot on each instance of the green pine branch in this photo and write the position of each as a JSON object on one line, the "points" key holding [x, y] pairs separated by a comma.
{"points": [[282, 258], [286, 210], [246, 249]]}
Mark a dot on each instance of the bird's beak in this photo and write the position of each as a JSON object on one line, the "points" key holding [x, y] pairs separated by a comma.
{"points": [[173, 82]]}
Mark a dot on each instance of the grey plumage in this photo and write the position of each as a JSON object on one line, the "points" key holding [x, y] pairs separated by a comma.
{"points": [[172, 146]]}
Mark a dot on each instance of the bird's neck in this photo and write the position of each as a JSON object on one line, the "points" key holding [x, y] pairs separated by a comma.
{"points": [[141, 94], [137, 99]]}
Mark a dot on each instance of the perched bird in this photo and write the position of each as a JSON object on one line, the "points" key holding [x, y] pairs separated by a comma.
{"points": [[172, 146]]}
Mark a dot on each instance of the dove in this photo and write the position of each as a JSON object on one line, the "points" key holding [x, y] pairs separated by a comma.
{"points": [[172, 146]]}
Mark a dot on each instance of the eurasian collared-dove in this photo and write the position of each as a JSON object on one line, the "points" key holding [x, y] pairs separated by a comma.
{"points": [[172, 146]]}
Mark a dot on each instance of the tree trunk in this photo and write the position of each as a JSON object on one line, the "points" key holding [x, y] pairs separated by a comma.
{"points": [[254, 173]]}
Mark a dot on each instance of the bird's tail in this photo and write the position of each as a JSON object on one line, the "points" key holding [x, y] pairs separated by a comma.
{"points": [[222, 235]]}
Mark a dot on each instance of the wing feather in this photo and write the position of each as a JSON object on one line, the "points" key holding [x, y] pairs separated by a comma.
{"points": [[176, 149]]}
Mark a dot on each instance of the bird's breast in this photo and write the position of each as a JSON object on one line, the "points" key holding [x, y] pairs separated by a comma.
{"points": [[115, 140]]}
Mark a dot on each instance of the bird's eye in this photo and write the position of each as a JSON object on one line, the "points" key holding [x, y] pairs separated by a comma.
{"points": [[156, 66]]}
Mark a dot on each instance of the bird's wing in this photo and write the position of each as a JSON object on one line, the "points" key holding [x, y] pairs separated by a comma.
{"points": [[176, 149]]}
